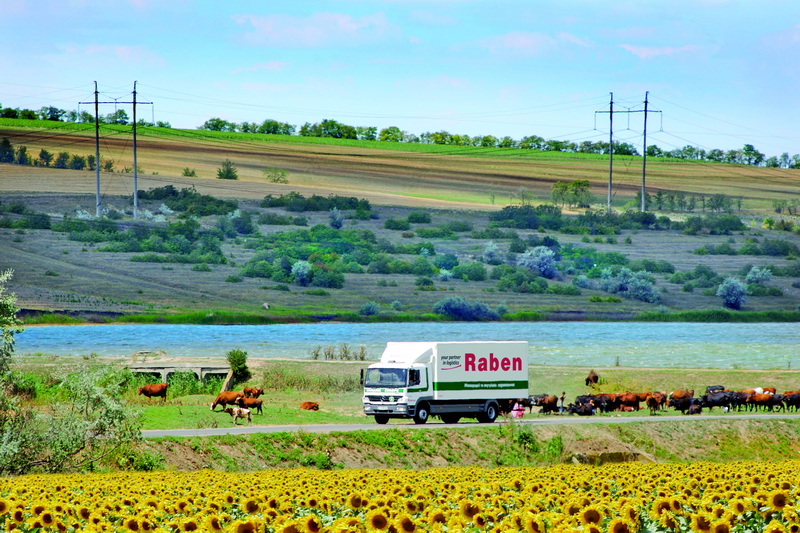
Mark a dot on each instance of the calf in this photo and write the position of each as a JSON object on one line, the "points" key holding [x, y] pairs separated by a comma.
{"points": [[237, 413], [694, 409], [310, 406], [250, 403], [226, 398]]}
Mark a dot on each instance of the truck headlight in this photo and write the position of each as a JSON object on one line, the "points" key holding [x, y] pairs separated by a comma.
{"points": [[367, 407]]}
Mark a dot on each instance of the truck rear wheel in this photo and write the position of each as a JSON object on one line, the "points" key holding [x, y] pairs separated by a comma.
{"points": [[422, 414], [450, 418], [381, 419], [490, 415]]}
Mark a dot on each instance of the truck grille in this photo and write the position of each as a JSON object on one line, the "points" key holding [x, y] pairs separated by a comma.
{"points": [[379, 398]]}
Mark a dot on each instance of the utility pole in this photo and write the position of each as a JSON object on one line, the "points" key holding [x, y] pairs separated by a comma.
{"points": [[97, 103], [644, 153], [611, 147]]}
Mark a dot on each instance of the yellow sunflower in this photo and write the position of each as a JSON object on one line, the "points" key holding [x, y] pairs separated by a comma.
{"points": [[311, 523], [620, 525], [721, 526], [403, 523], [213, 523], [590, 515], [377, 519], [701, 522], [775, 527], [469, 509]]}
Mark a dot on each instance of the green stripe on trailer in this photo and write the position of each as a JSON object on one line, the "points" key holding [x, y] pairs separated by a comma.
{"points": [[479, 385]]}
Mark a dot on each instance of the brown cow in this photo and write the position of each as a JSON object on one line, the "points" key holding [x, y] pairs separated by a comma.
{"points": [[227, 398], [681, 394], [547, 402], [592, 379], [628, 401], [250, 403], [158, 389], [237, 413], [652, 403], [252, 392], [310, 406]]}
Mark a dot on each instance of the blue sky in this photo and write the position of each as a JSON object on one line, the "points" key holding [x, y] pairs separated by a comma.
{"points": [[722, 72]]}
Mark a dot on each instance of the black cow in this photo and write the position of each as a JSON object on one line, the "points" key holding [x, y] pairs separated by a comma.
{"points": [[582, 409], [714, 388], [721, 399], [694, 409], [792, 401], [683, 404]]}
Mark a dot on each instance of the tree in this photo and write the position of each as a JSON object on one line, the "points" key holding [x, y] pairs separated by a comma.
{"points": [[227, 171], [9, 323], [733, 293], [120, 116], [751, 155], [758, 275], [45, 157], [276, 175], [51, 113], [6, 151], [391, 134], [62, 160], [218, 124], [22, 157]]}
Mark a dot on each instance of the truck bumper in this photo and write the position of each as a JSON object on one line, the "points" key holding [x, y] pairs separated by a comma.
{"points": [[398, 410]]}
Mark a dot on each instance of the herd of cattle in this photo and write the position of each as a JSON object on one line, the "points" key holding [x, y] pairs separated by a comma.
{"points": [[238, 404], [685, 401]]}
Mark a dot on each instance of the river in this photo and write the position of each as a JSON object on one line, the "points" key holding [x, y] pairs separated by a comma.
{"points": [[633, 344]]}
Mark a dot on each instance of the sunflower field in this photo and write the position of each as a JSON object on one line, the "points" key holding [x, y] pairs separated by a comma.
{"points": [[700, 497]]}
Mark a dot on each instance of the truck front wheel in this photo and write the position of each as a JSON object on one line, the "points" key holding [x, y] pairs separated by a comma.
{"points": [[422, 414], [490, 415], [381, 419]]}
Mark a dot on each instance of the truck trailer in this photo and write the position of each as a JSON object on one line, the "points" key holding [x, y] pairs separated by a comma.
{"points": [[451, 380]]}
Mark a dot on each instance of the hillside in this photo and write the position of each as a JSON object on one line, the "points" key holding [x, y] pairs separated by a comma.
{"points": [[424, 207]]}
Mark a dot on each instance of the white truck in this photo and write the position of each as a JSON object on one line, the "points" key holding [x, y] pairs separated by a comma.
{"points": [[451, 380]]}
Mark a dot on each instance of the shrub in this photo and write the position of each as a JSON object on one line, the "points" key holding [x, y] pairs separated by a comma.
{"points": [[397, 224], [470, 271], [457, 308], [541, 260], [419, 217], [369, 309], [733, 293], [758, 275], [335, 218], [301, 273], [629, 284], [491, 254], [237, 359], [227, 171]]}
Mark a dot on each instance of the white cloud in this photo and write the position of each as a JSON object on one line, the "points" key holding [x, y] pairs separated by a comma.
{"points": [[649, 52], [319, 29], [272, 66], [532, 43], [127, 54]]}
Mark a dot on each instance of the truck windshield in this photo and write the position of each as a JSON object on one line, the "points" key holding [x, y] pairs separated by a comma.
{"points": [[386, 377]]}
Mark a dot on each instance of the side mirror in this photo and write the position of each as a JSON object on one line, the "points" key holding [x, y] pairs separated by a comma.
{"points": [[363, 371]]}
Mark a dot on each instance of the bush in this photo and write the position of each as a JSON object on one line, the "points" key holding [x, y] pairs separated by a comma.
{"points": [[419, 217], [227, 171], [369, 309], [397, 224], [457, 308], [732, 291], [758, 275], [541, 260], [470, 271], [237, 359]]}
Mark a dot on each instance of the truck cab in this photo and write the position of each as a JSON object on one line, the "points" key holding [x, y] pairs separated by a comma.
{"points": [[451, 380], [394, 391]]}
